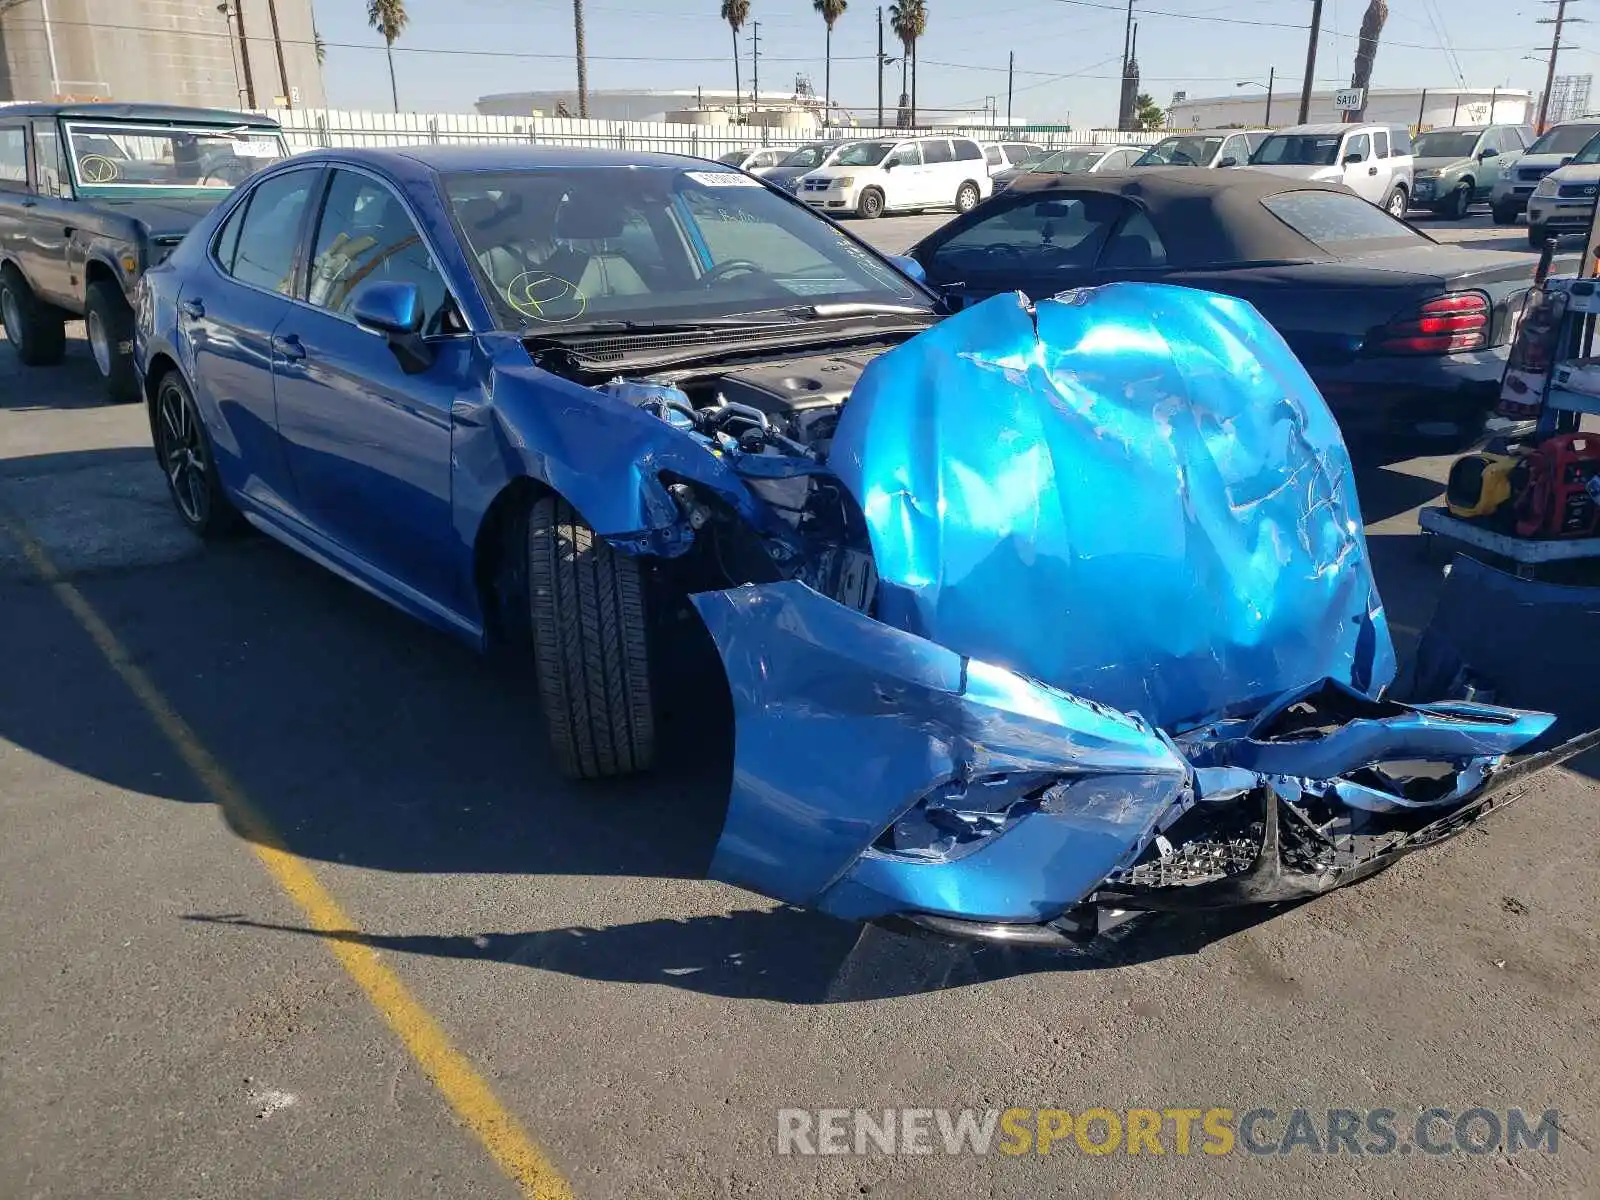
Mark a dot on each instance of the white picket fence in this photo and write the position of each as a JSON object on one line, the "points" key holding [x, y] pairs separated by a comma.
{"points": [[308, 129]]}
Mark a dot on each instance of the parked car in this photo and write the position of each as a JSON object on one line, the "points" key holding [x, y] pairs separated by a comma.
{"points": [[1373, 161], [1068, 162], [1009, 156], [1402, 334], [756, 160], [564, 402], [874, 177], [1456, 167], [91, 195], [799, 161], [1563, 201], [1203, 148], [1520, 175]]}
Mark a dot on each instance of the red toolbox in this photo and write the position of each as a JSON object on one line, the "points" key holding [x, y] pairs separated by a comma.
{"points": [[1557, 501]]}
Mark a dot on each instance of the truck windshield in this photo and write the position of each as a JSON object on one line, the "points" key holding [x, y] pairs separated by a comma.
{"points": [[124, 156]]}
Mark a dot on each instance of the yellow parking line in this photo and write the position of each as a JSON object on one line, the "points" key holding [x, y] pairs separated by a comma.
{"points": [[466, 1091]]}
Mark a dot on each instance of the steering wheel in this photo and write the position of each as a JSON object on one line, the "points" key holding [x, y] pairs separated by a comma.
{"points": [[97, 168], [734, 266]]}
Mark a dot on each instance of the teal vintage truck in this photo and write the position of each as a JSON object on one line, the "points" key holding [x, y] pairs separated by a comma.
{"points": [[91, 196]]}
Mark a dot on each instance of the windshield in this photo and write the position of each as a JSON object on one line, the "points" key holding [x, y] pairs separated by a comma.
{"points": [[1066, 160], [1447, 144], [1563, 139], [1180, 152], [162, 157], [1590, 154], [734, 158], [863, 154], [558, 249], [806, 156], [1298, 150]]}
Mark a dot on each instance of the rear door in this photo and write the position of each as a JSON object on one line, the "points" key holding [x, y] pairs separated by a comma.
{"points": [[938, 181], [16, 197], [368, 444]]}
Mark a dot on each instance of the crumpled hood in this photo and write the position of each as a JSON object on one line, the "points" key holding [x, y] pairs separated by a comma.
{"points": [[167, 217], [1137, 496]]}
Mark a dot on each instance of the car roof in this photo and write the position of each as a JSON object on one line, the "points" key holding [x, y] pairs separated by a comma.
{"points": [[503, 157], [1466, 128], [1326, 128], [164, 113], [1207, 133], [1204, 218]]}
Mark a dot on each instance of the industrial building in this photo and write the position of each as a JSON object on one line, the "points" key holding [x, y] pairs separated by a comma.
{"points": [[234, 54], [1425, 108]]}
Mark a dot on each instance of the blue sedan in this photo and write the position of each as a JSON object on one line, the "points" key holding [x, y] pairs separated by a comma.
{"points": [[1031, 617]]}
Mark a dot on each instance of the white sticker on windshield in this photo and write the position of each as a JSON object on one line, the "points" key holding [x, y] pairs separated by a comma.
{"points": [[722, 179], [256, 148]]}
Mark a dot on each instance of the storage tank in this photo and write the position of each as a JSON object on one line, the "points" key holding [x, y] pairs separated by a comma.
{"points": [[791, 120], [700, 116], [243, 54]]}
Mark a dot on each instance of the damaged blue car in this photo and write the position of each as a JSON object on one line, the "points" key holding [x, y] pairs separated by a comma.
{"points": [[1032, 617]]}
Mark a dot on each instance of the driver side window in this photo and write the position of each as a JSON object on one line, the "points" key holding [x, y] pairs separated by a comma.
{"points": [[1359, 147]]}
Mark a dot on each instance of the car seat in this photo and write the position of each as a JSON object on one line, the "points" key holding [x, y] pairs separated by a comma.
{"points": [[585, 224]]}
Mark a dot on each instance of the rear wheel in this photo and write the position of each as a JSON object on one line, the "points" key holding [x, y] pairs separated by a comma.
{"points": [[108, 320], [591, 661], [967, 197], [1395, 203], [36, 329], [184, 452], [870, 204]]}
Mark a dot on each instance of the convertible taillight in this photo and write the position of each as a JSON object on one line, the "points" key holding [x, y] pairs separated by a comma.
{"points": [[1443, 325]]}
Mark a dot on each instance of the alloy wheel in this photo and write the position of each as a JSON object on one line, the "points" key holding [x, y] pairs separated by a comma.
{"points": [[99, 342], [1397, 205], [183, 455]]}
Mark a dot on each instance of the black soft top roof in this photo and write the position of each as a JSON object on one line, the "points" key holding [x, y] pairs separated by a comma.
{"points": [[164, 114], [1204, 217]]}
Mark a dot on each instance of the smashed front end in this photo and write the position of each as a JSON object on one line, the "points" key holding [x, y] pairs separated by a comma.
{"points": [[1118, 646]]}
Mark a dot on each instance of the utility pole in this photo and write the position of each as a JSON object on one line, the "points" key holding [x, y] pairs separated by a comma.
{"points": [[880, 66], [1011, 76], [1559, 20], [232, 11], [277, 42], [1311, 60], [1124, 113], [1272, 75], [755, 65]]}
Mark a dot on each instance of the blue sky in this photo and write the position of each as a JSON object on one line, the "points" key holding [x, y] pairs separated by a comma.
{"points": [[1068, 51]]}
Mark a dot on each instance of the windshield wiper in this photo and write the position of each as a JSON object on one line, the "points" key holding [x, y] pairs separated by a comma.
{"points": [[846, 308], [538, 328]]}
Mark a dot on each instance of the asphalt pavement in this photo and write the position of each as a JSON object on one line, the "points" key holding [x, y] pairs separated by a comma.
{"points": [[294, 906]]}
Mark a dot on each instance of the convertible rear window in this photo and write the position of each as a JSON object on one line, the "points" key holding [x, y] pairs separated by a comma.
{"points": [[1341, 224]]}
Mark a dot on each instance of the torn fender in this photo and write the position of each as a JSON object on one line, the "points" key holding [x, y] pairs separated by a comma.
{"points": [[1136, 495], [843, 725]]}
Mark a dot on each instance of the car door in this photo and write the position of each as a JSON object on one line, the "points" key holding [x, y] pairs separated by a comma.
{"points": [[1385, 158], [16, 197], [228, 312], [1360, 171], [902, 172], [1494, 143], [51, 219], [937, 180], [368, 444]]}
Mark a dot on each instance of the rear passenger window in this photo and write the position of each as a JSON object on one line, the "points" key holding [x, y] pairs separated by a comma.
{"points": [[967, 151], [936, 150], [993, 157], [1135, 247], [14, 159], [270, 232]]}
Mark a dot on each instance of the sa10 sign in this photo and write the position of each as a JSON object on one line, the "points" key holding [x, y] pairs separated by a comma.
{"points": [[1348, 99]]}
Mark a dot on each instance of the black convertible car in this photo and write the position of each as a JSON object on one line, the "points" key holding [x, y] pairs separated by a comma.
{"points": [[1402, 334]]}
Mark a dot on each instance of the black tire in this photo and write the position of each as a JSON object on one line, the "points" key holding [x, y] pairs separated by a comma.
{"points": [[108, 323], [591, 659], [1455, 208], [1396, 202], [183, 449], [1503, 215], [967, 197], [37, 330], [869, 204], [1537, 235]]}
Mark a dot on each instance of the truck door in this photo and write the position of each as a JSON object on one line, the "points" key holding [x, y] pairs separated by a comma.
{"points": [[1360, 168], [51, 219], [15, 198]]}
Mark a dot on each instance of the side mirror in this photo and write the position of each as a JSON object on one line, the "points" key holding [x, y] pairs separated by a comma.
{"points": [[1566, 160], [891, 164], [1352, 159], [909, 266], [394, 312], [1230, 161], [1488, 152]]}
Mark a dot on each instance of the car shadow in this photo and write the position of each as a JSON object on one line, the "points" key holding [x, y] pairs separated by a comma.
{"points": [[75, 383]]}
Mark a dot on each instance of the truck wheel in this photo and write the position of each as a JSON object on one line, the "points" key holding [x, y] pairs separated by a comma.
{"points": [[967, 197], [37, 330], [587, 607], [1395, 204], [1503, 215], [869, 204], [108, 319]]}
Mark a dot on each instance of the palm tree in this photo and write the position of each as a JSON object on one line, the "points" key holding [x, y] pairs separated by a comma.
{"points": [[909, 20], [831, 11], [1367, 53], [321, 46], [736, 13], [389, 18], [583, 59]]}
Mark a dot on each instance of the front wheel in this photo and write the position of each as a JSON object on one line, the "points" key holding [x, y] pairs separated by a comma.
{"points": [[591, 660], [34, 328], [108, 320], [1395, 204], [184, 452], [967, 197], [1455, 208], [870, 204]]}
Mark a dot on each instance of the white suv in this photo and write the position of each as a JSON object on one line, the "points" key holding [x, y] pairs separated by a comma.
{"points": [[872, 178], [1373, 161]]}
